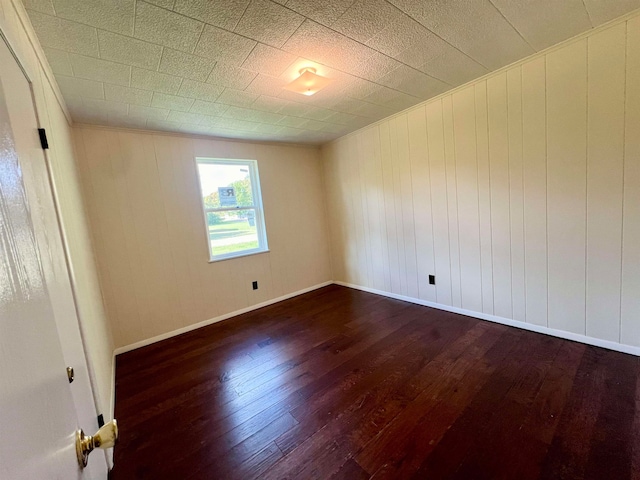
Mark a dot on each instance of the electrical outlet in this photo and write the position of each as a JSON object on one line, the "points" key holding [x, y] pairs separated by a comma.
{"points": [[432, 279], [255, 285]]}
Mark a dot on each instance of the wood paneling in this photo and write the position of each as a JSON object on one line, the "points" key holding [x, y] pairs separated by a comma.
{"points": [[421, 188], [524, 187], [534, 149], [389, 208], [516, 191], [343, 384], [629, 323], [464, 121], [567, 185], [484, 196], [144, 207], [500, 207], [452, 201], [605, 152], [440, 218], [408, 213]]}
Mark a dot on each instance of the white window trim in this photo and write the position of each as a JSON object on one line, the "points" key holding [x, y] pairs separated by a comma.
{"points": [[261, 227]]}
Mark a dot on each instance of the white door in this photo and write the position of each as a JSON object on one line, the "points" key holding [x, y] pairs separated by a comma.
{"points": [[39, 409]]}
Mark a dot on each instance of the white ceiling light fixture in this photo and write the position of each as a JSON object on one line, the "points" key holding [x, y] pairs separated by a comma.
{"points": [[308, 83]]}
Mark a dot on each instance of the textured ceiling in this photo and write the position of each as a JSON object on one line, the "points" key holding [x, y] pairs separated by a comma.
{"points": [[217, 67]]}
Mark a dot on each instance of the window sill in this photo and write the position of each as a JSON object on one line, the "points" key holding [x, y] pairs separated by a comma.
{"points": [[238, 255]]}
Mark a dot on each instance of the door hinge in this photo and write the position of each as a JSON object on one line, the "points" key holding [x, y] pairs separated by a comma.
{"points": [[43, 138]]}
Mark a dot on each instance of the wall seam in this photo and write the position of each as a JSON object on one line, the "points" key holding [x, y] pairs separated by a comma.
{"points": [[475, 127], [446, 189], [506, 88], [522, 184], [586, 197], [433, 240], [413, 211], [624, 158]]}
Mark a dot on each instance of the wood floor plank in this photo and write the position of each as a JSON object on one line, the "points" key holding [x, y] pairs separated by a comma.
{"points": [[613, 434], [569, 451], [467, 433], [495, 436], [343, 384], [635, 428], [387, 365], [419, 429], [350, 470], [538, 428], [331, 427]]}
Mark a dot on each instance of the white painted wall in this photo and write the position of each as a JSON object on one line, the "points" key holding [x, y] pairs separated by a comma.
{"points": [[520, 192], [93, 323], [146, 217]]}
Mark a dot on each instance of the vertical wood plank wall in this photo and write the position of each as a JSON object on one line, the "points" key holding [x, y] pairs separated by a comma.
{"points": [[144, 207], [520, 192]]}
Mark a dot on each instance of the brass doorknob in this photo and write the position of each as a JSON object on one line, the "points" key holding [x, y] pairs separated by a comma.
{"points": [[104, 438]]}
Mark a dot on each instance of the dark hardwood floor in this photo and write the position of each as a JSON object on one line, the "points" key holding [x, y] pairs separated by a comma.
{"points": [[338, 383]]}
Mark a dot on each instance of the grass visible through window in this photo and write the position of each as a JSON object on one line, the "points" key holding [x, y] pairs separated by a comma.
{"points": [[233, 235]]}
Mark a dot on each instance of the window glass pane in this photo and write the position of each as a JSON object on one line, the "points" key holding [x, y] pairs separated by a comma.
{"points": [[234, 205], [225, 186], [231, 232]]}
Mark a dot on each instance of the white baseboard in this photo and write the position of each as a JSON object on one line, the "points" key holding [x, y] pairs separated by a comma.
{"points": [[195, 326], [619, 347]]}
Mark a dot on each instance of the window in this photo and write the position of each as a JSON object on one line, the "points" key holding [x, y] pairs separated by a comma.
{"points": [[232, 204]]}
